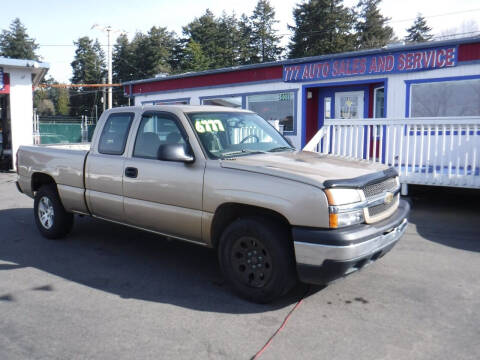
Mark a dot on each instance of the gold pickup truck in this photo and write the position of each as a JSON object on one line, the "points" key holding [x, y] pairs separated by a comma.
{"points": [[226, 179]]}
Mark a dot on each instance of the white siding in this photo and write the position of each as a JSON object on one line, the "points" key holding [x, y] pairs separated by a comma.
{"points": [[21, 108]]}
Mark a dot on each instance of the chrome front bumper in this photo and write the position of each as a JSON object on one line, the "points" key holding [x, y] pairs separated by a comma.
{"points": [[316, 254], [323, 255]]}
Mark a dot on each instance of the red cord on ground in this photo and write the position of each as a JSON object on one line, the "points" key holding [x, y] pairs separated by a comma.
{"points": [[265, 347]]}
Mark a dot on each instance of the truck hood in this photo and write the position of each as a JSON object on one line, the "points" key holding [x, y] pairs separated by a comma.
{"points": [[303, 166]]}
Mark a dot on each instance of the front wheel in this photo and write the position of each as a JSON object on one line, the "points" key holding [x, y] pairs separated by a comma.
{"points": [[257, 259], [50, 216]]}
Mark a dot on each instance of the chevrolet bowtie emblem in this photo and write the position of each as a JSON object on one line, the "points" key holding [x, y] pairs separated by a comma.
{"points": [[388, 198]]}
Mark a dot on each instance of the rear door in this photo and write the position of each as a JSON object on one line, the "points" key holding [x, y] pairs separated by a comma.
{"points": [[163, 196], [105, 166]]}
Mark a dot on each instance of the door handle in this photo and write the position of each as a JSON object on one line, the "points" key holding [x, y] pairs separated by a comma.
{"points": [[131, 172]]}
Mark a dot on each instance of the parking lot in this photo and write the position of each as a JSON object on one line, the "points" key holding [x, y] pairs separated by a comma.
{"points": [[110, 292]]}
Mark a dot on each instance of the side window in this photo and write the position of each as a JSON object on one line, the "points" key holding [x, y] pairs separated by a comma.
{"points": [[156, 129], [115, 133]]}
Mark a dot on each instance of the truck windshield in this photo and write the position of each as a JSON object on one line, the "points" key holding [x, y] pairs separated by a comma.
{"points": [[232, 134]]}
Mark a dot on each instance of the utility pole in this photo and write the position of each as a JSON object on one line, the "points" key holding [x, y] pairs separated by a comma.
{"points": [[108, 29], [109, 60], [103, 95]]}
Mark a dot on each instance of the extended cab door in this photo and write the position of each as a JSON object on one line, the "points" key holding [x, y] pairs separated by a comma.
{"points": [[163, 196], [105, 166]]}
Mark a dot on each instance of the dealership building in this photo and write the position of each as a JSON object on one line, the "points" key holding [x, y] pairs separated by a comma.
{"points": [[432, 79]]}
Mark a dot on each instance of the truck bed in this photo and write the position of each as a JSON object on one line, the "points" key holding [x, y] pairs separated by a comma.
{"points": [[64, 163]]}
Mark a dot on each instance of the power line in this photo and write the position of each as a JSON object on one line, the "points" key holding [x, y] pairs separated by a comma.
{"points": [[433, 16], [388, 21], [457, 34]]}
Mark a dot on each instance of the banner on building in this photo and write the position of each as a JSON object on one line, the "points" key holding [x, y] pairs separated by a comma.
{"points": [[399, 62]]}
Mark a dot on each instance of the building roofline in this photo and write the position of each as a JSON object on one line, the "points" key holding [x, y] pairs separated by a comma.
{"points": [[38, 68], [385, 49], [23, 63]]}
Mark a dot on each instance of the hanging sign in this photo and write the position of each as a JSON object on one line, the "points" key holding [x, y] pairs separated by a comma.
{"points": [[2, 83], [399, 62]]}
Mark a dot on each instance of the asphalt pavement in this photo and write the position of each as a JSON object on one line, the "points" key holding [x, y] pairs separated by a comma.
{"points": [[111, 292]]}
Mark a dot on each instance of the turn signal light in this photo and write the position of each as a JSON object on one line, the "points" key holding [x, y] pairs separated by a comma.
{"points": [[333, 220]]}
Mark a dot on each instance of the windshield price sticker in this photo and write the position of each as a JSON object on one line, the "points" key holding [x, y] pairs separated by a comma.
{"points": [[209, 126]]}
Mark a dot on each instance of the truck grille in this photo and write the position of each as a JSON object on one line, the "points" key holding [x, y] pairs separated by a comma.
{"points": [[379, 188], [380, 211]]}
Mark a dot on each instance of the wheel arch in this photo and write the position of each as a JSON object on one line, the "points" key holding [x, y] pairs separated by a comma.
{"points": [[229, 212], [39, 179]]}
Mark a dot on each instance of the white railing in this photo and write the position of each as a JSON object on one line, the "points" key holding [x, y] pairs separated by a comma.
{"points": [[250, 134], [427, 151]]}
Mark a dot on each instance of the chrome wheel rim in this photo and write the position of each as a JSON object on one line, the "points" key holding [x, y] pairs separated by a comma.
{"points": [[45, 212]]}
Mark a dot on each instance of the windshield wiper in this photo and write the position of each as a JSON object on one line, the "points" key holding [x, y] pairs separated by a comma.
{"points": [[242, 152], [280, 148]]}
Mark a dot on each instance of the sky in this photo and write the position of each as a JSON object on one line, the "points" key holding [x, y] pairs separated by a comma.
{"points": [[55, 24]]}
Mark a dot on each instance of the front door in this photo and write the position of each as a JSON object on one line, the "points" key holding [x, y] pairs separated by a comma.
{"points": [[162, 196], [349, 104]]}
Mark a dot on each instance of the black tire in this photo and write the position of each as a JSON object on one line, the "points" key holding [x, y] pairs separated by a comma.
{"points": [[61, 222], [252, 247]]}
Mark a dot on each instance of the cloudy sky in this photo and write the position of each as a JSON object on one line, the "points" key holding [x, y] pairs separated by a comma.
{"points": [[55, 24]]}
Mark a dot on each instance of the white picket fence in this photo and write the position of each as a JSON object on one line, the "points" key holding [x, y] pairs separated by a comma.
{"points": [[427, 151]]}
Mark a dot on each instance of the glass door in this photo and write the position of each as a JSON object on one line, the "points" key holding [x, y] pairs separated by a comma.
{"points": [[349, 104]]}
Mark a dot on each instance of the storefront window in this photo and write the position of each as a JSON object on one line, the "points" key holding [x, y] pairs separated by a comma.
{"points": [[230, 101], [445, 98], [276, 106]]}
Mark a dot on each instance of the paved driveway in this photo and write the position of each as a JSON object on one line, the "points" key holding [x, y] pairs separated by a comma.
{"points": [[110, 292]]}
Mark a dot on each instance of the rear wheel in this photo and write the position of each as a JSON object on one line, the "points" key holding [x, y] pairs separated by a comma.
{"points": [[50, 216], [257, 259]]}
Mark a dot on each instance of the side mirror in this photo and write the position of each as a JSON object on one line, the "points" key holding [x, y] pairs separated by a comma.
{"points": [[174, 152]]}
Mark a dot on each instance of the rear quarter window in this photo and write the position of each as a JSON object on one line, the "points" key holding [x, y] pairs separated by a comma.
{"points": [[115, 133]]}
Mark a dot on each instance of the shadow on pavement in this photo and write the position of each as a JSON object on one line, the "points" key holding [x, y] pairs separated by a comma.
{"points": [[126, 262], [448, 216]]}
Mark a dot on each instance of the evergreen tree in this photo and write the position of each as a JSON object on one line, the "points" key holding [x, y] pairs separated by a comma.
{"points": [[63, 102], [152, 52], [123, 60], [371, 26], [248, 53], [419, 31], [123, 67], [204, 31], [224, 41], [264, 38], [228, 39], [321, 27], [15, 43], [51, 100], [193, 57], [88, 67]]}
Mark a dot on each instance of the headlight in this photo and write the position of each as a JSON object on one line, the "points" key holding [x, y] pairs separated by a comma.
{"points": [[343, 196], [345, 207]]}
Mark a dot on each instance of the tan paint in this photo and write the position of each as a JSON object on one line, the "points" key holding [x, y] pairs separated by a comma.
{"points": [[303, 166]]}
